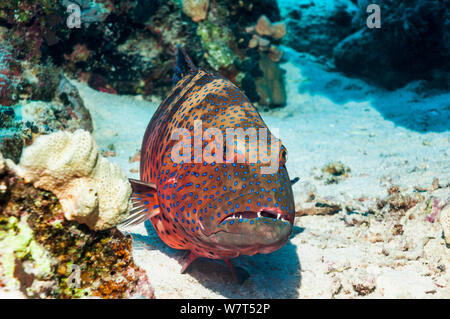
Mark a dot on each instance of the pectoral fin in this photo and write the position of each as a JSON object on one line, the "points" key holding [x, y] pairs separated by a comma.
{"points": [[145, 203]]}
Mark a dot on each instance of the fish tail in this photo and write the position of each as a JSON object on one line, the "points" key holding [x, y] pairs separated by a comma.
{"points": [[145, 203], [183, 66]]}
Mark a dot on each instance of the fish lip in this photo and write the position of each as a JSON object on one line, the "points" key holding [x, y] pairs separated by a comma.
{"points": [[268, 212]]}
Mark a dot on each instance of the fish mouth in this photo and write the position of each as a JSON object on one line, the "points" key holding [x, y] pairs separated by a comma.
{"points": [[251, 232], [272, 213]]}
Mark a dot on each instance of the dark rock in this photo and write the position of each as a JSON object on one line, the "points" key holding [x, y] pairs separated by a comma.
{"points": [[11, 141], [11, 144], [411, 45], [316, 26], [144, 9], [68, 95], [247, 12]]}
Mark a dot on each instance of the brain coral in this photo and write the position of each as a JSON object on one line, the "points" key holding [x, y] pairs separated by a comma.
{"points": [[90, 189]]}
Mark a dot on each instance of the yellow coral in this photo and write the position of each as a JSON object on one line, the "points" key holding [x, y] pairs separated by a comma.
{"points": [[91, 190], [196, 9]]}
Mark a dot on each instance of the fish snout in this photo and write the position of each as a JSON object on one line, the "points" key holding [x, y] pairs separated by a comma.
{"points": [[274, 212], [261, 231]]}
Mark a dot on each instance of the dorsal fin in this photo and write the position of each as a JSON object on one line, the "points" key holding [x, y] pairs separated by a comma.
{"points": [[183, 66]]}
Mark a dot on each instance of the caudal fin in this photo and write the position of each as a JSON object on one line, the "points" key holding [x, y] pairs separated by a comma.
{"points": [[184, 65], [145, 203]]}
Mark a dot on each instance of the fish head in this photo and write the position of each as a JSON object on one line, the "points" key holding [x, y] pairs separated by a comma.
{"points": [[240, 206], [259, 213]]}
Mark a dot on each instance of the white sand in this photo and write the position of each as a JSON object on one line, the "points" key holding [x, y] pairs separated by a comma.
{"points": [[329, 117]]}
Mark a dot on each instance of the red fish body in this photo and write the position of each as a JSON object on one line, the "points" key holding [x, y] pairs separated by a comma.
{"points": [[215, 209]]}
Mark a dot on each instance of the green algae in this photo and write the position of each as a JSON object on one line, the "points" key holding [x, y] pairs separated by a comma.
{"points": [[215, 40], [16, 238]]}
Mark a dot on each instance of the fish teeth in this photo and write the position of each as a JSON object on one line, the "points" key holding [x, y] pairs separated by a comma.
{"points": [[278, 216], [259, 214]]}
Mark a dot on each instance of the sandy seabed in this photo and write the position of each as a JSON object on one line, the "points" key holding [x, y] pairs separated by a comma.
{"points": [[386, 138]]}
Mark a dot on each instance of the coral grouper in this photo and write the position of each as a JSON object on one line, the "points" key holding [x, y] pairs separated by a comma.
{"points": [[202, 199]]}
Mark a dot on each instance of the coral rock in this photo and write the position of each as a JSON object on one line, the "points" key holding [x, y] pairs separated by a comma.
{"points": [[43, 255], [253, 43], [11, 143], [196, 9], [67, 94], [91, 190], [265, 27], [278, 30], [271, 87], [47, 117], [335, 172], [275, 53], [264, 45], [444, 219]]}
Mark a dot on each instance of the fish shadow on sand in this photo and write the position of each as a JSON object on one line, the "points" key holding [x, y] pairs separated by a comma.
{"points": [[275, 275], [405, 107]]}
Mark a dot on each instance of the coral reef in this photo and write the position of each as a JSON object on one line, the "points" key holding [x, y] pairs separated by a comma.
{"points": [[263, 29], [90, 189], [35, 99], [46, 256], [128, 48], [22, 122], [5, 76]]}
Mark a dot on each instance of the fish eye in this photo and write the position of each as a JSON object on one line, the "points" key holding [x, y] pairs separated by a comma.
{"points": [[283, 155], [238, 157]]}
